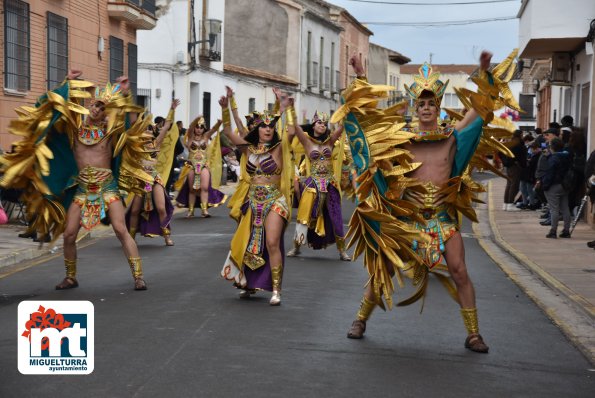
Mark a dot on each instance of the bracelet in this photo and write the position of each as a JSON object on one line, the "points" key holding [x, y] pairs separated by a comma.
{"points": [[232, 102], [225, 117]]}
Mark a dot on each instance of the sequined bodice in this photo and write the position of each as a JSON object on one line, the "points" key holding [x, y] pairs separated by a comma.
{"points": [[320, 162], [262, 165]]}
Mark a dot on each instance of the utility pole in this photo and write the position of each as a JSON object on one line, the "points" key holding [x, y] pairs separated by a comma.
{"points": [[431, 58]]}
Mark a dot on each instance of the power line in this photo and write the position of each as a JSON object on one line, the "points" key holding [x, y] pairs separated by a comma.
{"points": [[442, 23], [403, 3]]}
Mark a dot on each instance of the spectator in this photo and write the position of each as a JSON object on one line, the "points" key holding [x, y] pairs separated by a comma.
{"points": [[514, 166], [528, 178], [590, 181], [557, 197], [577, 150], [566, 129], [542, 165]]}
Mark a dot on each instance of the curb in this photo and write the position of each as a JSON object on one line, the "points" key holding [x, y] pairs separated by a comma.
{"points": [[563, 309]]}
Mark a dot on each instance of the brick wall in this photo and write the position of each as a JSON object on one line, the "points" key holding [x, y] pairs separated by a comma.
{"points": [[87, 20]]}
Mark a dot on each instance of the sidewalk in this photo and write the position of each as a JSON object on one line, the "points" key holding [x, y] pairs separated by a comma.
{"points": [[517, 243], [15, 250]]}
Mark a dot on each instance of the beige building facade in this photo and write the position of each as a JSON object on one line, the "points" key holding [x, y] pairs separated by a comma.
{"points": [[355, 39], [41, 39]]}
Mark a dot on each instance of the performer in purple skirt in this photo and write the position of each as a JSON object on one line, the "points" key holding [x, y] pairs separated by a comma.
{"points": [[319, 219], [255, 261], [195, 184], [155, 208]]}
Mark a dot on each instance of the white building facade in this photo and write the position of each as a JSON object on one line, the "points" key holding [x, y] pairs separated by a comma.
{"points": [[183, 58]]}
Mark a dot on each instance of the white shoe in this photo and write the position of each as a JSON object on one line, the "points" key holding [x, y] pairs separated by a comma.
{"points": [[504, 206], [512, 207], [293, 252], [276, 298]]}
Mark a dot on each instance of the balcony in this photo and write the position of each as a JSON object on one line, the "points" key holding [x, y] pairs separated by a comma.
{"points": [[544, 30], [127, 11], [210, 40], [144, 21]]}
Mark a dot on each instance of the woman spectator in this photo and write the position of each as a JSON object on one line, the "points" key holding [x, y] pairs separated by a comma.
{"points": [[577, 151]]}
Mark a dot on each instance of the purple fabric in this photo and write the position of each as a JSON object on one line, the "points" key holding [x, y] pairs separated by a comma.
{"points": [[331, 212], [152, 226], [261, 278], [215, 196]]}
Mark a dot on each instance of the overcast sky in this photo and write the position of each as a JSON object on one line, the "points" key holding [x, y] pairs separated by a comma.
{"points": [[448, 44]]}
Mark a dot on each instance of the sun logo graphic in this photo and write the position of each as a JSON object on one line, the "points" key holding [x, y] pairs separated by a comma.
{"points": [[56, 337]]}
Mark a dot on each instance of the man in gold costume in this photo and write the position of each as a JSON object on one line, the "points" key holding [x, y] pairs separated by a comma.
{"points": [[413, 183], [73, 161]]}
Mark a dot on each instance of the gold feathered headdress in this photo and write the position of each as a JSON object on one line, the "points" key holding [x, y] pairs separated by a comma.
{"points": [[427, 80]]}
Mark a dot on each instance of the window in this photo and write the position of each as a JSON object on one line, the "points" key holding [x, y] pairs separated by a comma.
{"points": [[251, 105], [315, 74], [17, 66], [308, 60], [337, 81], [450, 101], [132, 68], [333, 83], [116, 58], [270, 107], [327, 78], [321, 63], [57, 49], [526, 104]]}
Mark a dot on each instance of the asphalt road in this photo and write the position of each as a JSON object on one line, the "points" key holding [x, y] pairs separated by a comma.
{"points": [[190, 335]]}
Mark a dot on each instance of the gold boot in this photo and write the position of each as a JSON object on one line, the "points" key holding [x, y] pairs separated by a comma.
{"points": [[277, 276], [204, 210], [136, 267], [132, 232], [358, 327], [474, 341], [190, 211], [69, 282], [167, 236]]}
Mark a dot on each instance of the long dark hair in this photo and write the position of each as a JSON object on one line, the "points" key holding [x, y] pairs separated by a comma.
{"points": [[253, 138], [309, 128]]}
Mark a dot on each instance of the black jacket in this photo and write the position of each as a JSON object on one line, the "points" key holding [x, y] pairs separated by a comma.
{"points": [[558, 164]]}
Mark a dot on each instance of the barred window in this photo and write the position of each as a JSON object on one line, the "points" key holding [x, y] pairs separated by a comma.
{"points": [[315, 74], [17, 65], [57, 49], [132, 68], [116, 58]]}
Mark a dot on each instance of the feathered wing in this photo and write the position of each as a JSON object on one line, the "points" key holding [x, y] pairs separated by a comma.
{"points": [[376, 140]]}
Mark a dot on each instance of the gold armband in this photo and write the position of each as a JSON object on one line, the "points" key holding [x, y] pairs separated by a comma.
{"points": [[226, 118], [291, 116], [232, 102], [276, 107]]}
